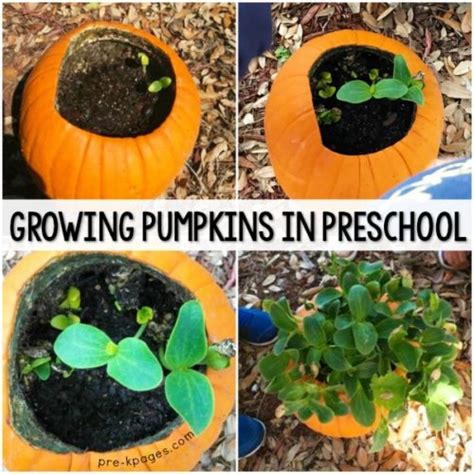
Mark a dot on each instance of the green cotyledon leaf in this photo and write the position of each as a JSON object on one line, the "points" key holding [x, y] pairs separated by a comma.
{"points": [[187, 344], [190, 394]]}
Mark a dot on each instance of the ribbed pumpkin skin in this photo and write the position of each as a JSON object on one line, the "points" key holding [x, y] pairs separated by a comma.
{"points": [[305, 168], [18, 455], [76, 164]]}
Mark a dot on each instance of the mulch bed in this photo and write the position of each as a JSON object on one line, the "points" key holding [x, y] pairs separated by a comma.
{"points": [[440, 33], [412, 446], [202, 34]]}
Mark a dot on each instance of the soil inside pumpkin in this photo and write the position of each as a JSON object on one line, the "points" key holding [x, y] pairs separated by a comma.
{"points": [[89, 410], [103, 89], [363, 128]]}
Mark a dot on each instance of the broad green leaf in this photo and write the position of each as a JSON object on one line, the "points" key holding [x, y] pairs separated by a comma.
{"points": [[437, 415], [362, 408], [187, 344], [408, 355], [272, 365], [165, 81], [360, 302], [83, 346], [297, 341], [442, 392], [365, 337], [367, 369], [314, 332], [387, 326], [344, 338], [350, 384], [332, 309], [281, 317], [390, 89], [384, 309], [35, 363], [354, 92], [43, 371], [389, 390], [400, 70], [348, 281], [374, 289], [190, 394], [280, 344], [343, 321], [144, 315], [304, 413], [62, 321], [215, 360], [278, 383], [380, 437], [335, 403], [292, 392], [405, 307], [401, 294], [73, 299], [432, 336], [313, 356], [335, 358], [414, 94], [134, 366], [327, 296], [367, 268], [323, 412]]}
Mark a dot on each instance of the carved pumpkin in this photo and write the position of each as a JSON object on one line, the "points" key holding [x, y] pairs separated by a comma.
{"points": [[305, 168], [20, 454], [72, 162]]}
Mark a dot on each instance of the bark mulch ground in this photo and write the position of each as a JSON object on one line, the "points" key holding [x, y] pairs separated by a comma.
{"points": [[202, 34], [412, 446], [440, 33]]}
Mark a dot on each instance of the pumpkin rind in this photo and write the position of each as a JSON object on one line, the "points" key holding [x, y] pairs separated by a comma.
{"points": [[76, 164], [305, 168], [19, 455]]}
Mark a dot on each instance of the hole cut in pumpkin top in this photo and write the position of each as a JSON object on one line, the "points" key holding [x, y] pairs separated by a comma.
{"points": [[103, 89], [363, 128], [88, 410]]}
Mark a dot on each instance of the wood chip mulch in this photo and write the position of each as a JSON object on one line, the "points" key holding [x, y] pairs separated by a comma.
{"points": [[202, 34], [440, 33], [412, 446]]}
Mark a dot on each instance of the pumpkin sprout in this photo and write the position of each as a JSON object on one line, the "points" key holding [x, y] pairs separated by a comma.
{"points": [[328, 116], [323, 86], [402, 86], [144, 61], [131, 362], [373, 343], [40, 366], [160, 84]]}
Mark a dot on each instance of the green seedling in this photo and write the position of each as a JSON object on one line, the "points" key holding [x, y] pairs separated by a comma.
{"points": [[328, 116], [131, 363], [324, 87], [401, 86], [144, 61], [72, 300], [40, 366], [160, 84], [372, 341], [62, 321], [282, 54]]}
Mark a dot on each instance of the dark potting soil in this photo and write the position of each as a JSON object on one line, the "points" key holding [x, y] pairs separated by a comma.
{"points": [[363, 128], [89, 410], [103, 89]]}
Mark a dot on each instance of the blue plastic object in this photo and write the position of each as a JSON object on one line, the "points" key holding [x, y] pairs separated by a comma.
{"points": [[251, 435], [256, 326]]}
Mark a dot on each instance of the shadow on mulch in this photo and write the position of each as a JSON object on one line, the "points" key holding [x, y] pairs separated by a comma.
{"points": [[19, 180]]}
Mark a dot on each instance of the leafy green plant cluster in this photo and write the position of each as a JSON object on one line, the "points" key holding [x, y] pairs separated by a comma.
{"points": [[402, 85], [282, 54], [374, 340], [132, 363], [157, 85]]}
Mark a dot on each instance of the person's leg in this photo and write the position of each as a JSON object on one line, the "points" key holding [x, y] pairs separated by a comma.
{"points": [[251, 435], [256, 327]]}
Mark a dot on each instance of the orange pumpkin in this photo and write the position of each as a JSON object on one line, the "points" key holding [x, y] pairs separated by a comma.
{"points": [[305, 168], [73, 163], [20, 455]]}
